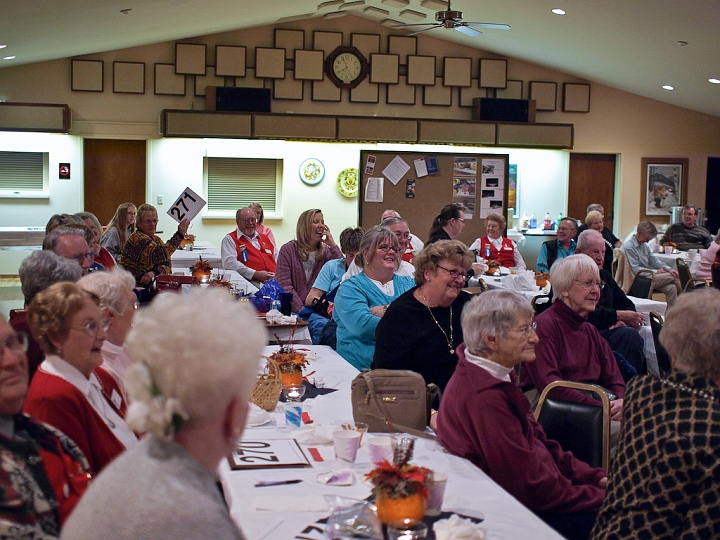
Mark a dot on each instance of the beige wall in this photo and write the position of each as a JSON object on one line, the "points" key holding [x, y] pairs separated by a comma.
{"points": [[628, 125]]}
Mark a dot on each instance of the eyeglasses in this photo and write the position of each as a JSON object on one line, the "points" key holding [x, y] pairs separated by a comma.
{"points": [[150, 221], [525, 330], [454, 273], [460, 219], [589, 284], [15, 341], [91, 327], [406, 236], [388, 249], [90, 255], [249, 220]]}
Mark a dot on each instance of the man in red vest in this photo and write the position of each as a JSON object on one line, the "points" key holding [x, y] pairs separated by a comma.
{"points": [[246, 251]]}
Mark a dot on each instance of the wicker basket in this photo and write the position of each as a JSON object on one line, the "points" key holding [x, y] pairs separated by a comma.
{"points": [[267, 389]]}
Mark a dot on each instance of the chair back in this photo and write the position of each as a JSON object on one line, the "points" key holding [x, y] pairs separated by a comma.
{"points": [[642, 285], [540, 303], [684, 272], [580, 428], [663, 358]]}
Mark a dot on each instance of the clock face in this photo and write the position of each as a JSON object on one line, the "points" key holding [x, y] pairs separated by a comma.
{"points": [[347, 67]]}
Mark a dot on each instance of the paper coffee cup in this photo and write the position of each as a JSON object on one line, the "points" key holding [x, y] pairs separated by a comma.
{"points": [[437, 494], [380, 449], [346, 444], [668, 250]]}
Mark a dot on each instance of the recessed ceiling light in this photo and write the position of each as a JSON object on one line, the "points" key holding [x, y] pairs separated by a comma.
{"points": [[125, 11], [714, 81], [9, 57], [682, 43], [668, 87], [2, 46], [558, 11]]}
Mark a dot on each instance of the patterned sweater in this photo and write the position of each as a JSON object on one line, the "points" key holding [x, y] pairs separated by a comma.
{"points": [[142, 254]]}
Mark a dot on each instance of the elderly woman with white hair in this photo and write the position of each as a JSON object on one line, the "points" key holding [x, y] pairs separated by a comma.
{"points": [[570, 348], [193, 405], [118, 302], [486, 419], [363, 299], [665, 475]]}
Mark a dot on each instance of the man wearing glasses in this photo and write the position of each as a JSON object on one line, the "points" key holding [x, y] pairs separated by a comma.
{"points": [[71, 244], [43, 473], [248, 252]]}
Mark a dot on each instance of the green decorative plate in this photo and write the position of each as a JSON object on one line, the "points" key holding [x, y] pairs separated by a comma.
{"points": [[312, 171], [347, 182]]}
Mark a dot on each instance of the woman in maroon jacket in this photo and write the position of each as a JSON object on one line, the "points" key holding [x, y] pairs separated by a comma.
{"points": [[485, 418], [300, 261]]}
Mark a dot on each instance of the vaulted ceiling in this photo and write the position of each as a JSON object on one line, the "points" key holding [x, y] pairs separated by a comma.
{"points": [[633, 45]]}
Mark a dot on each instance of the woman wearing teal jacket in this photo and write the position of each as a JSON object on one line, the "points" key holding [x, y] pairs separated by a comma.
{"points": [[363, 299]]}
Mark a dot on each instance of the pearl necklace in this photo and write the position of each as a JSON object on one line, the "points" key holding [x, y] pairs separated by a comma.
{"points": [[448, 339], [694, 391]]}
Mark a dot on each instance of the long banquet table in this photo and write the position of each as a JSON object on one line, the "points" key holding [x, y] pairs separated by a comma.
{"points": [[469, 491], [183, 259]]}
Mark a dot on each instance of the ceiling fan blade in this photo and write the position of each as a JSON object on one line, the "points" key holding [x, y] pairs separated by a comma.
{"points": [[425, 30], [467, 30], [489, 25], [434, 25]]}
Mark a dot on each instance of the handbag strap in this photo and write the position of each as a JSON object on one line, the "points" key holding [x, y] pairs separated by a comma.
{"points": [[385, 416]]}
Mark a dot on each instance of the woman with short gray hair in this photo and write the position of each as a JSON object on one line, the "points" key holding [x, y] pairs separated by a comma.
{"points": [[670, 435], [486, 419], [571, 348], [194, 406], [363, 299]]}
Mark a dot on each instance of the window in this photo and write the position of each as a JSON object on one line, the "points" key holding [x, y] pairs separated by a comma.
{"points": [[234, 183], [23, 174]]}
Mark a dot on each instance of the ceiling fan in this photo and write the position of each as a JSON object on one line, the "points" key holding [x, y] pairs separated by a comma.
{"points": [[453, 20]]}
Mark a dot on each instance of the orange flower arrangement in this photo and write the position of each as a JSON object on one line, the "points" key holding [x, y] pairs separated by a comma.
{"points": [[400, 479], [288, 360]]}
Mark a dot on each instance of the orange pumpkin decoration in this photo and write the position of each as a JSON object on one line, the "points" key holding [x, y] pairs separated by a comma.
{"points": [[291, 379], [410, 507]]}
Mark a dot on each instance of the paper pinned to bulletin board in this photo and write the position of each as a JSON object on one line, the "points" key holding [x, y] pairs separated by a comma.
{"points": [[396, 169], [492, 192], [464, 184], [374, 190]]}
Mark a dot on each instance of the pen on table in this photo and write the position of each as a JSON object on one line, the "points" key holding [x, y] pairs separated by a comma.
{"points": [[278, 483]]}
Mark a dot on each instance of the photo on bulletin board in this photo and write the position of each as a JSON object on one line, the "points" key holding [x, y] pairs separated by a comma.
{"points": [[490, 182], [410, 189], [488, 194], [468, 205], [465, 166], [463, 187], [512, 187]]}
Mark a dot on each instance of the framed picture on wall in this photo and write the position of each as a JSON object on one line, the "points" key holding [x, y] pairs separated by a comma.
{"points": [[665, 183]]}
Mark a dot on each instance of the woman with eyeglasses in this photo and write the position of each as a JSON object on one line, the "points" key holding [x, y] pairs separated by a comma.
{"points": [[485, 418], [118, 303], [571, 348], [69, 390], [145, 255], [448, 224], [362, 300], [495, 247], [421, 330]]}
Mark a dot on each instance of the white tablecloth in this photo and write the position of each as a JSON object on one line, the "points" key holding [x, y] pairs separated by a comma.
{"points": [[506, 282], [469, 490], [646, 305], [670, 259], [183, 259]]}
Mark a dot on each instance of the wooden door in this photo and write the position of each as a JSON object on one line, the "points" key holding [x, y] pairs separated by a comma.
{"points": [[115, 172], [592, 180]]}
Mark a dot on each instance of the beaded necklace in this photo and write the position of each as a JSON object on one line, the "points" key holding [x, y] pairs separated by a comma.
{"points": [[694, 391]]}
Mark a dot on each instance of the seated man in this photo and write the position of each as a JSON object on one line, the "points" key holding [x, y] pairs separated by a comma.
{"points": [[43, 473], [560, 248], [640, 257], [688, 235], [415, 245], [71, 244], [246, 251], [614, 316]]}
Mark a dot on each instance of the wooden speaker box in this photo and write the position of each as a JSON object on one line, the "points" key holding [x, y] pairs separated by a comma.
{"points": [[504, 110]]}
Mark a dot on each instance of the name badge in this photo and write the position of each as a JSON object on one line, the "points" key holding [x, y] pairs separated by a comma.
{"points": [[268, 251], [116, 398]]}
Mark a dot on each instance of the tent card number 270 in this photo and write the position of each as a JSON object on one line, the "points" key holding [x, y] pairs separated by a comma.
{"points": [[187, 206]]}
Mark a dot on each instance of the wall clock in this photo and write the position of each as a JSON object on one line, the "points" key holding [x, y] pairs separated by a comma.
{"points": [[346, 67]]}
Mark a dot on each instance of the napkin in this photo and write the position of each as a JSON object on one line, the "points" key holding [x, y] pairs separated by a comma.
{"points": [[319, 434], [275, 317], [342, 477], [306, 503], [457, 528], [524, 281]]}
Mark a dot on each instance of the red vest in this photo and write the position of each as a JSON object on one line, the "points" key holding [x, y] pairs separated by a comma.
{"points": [[409, 254], [505, 256], [257, 259]]}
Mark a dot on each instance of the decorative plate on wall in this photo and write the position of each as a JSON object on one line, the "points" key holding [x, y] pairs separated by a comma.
{"points": [[312, 171], [347, 182]]}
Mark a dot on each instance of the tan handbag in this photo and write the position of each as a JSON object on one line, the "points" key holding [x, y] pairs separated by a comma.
{"points": [[390, 400]]}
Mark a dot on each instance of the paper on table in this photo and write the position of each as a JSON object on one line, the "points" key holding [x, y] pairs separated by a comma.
{"points": [[396, 169], [374, 190], [305, 503], [420, 167]]}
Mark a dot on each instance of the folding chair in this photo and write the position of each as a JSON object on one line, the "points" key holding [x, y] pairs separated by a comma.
{"points": [[686, 278], [663, 359]]}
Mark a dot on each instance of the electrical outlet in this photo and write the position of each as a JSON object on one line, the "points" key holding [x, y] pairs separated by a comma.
{"points": [[159, 199]]}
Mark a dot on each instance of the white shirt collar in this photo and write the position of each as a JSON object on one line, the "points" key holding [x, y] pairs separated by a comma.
{"points": [[494, 369], [251, 238], [60, 368], [388, 288], [497, 242]]}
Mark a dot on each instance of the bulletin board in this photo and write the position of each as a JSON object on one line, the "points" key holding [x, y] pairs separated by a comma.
{"points": [[417, 185]]}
